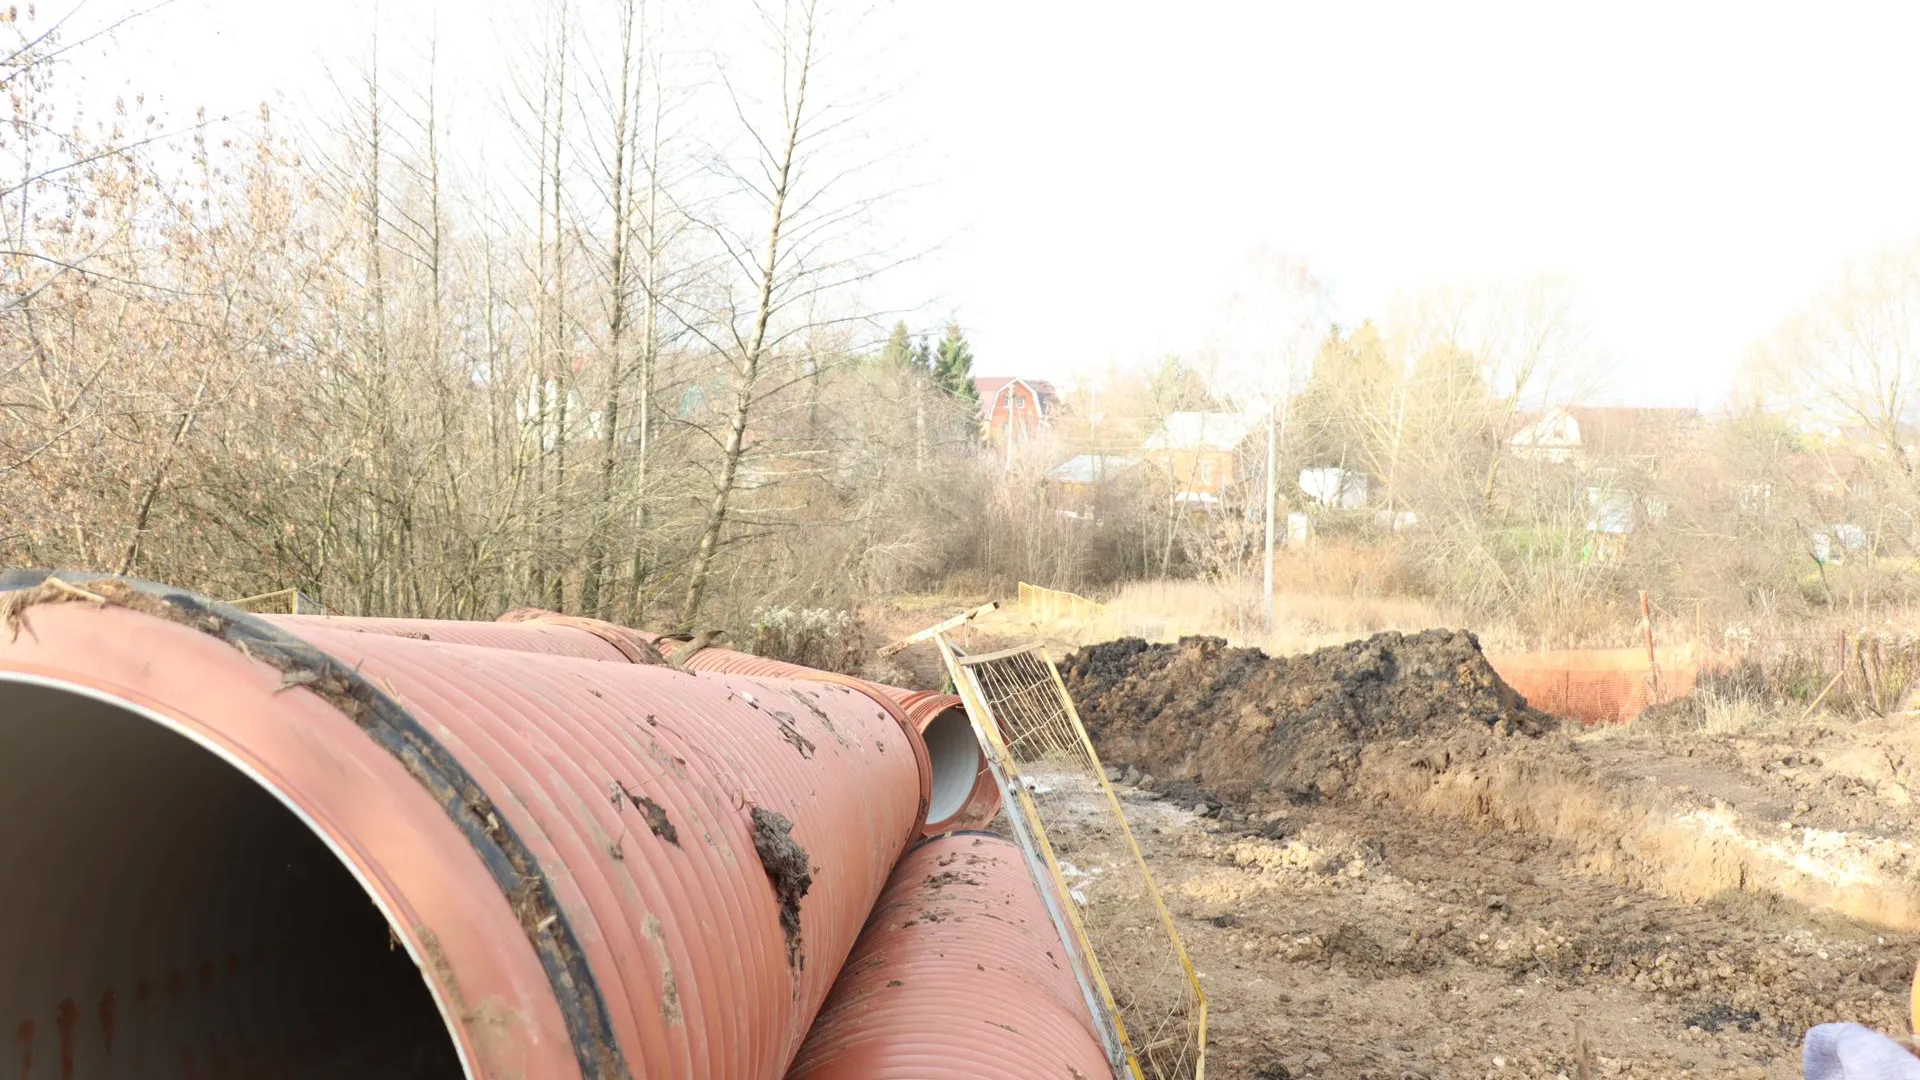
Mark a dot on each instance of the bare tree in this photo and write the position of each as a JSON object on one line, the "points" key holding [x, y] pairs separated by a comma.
{"points": [[632, 96], [773, 265], [1851, 360]]}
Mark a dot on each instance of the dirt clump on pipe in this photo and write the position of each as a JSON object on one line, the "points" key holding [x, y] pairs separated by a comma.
{"points": [[657, 822], [656, 815], [1240, 723], [788, 868], [791, 734]]}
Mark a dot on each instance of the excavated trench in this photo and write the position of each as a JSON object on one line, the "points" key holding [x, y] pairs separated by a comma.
{"points": [[164, 915]]}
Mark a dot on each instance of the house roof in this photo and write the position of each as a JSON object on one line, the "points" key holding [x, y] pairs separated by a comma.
{"points": [[989, 388], [1837, 469], [1090, 468], [1608, 430], [1202, 431]]}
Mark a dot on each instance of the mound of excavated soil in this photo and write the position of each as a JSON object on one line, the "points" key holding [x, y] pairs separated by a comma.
{"points": [[1240, 723]]}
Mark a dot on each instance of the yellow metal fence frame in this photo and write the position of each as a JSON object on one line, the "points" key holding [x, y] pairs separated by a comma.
{"points": [[1030, 830], [290, 599], [1055, 603]]}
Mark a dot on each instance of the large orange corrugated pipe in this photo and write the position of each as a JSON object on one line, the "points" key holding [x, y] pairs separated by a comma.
{"points": [[953, 748], [964, 794], [958, 975], [233, 848], [568, 638]]}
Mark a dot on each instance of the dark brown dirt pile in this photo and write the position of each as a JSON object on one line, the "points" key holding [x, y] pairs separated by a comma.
{"points": [[1243, 724], [788, 868]]}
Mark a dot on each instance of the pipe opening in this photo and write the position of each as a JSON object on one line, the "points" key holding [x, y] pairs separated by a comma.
{"points": [[956, 759], [165, 916]]}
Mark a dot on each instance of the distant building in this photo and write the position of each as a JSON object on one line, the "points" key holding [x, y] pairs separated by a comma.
{"points": [[1074, 484], [1090, 469], [1618, 450], [1836, 491], [1612, 512], [1202, 452], [1582, 434], [1340, 489], [1015, 409]]}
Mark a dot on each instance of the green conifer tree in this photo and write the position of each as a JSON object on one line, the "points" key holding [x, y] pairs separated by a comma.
{"points": [[953, 365], [898, 352]]}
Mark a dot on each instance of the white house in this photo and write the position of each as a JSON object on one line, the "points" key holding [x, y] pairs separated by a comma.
{"points": [[1341, 489], [1578, 433]]}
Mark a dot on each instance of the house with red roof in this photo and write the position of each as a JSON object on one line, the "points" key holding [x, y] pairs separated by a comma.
{"points": [[1014, 409]]}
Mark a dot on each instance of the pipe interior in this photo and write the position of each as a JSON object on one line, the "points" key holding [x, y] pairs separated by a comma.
{"points": [[164, 916], [956, 759]]}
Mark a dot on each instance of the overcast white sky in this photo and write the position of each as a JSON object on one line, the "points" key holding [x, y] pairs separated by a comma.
{"points": [[1697, 171]]}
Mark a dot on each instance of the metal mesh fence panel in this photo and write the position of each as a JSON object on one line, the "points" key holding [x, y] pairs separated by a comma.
{"points": [[1126, 949]]}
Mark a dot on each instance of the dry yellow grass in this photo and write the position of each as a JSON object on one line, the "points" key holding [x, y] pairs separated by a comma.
{"points": [[1741, 715]]}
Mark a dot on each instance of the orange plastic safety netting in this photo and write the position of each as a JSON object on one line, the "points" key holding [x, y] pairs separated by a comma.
{"points": [[1599, 686]]}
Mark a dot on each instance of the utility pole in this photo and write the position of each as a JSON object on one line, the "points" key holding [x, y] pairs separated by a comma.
{"points": [[1099, 451], [1273, 491]]}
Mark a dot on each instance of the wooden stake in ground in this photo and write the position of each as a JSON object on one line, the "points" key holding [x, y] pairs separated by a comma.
{"points": [[1831, 683], [1653, 663]]}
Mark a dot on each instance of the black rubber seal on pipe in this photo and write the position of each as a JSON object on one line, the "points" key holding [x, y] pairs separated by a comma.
{"points": [[518, 874]]}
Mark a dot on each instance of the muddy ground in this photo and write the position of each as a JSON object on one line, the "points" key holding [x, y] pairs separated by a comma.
{"points": [[1474, 893]]}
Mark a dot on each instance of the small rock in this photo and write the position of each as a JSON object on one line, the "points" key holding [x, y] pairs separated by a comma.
{"points": [[1330, 782], [1803, 807], [1891, 975], [1202, 809], [1319, 1059], [1115, 774]]}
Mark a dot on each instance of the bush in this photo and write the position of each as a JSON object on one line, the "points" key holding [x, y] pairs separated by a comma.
{"points": [[816, 637]]}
